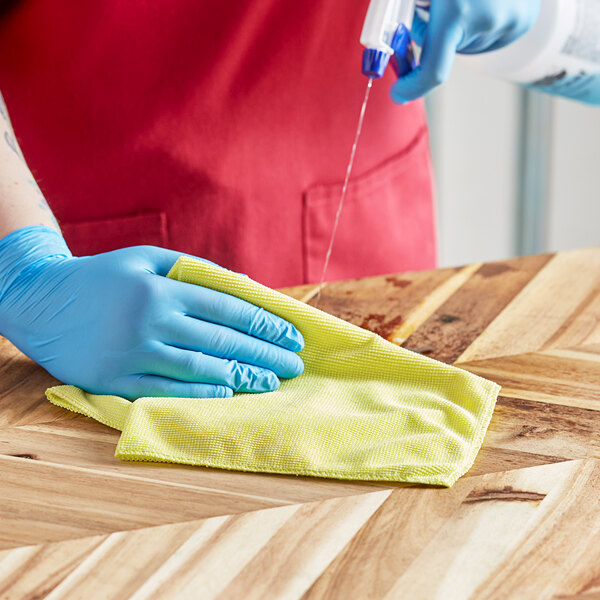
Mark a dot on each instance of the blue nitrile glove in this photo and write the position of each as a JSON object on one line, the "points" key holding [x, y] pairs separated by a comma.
{"points": [[466, 27], [114, 324]]}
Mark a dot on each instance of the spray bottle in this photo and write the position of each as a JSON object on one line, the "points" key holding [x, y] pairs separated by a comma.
{"points": [[560, 55]]}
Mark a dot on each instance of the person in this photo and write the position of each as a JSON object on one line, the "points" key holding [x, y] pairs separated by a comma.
{"points": [[217, 129]]}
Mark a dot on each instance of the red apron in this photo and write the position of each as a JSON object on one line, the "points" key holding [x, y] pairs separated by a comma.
{"points": [[218, 128]]}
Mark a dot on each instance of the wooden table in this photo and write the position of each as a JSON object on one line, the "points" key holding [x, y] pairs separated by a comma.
{"points": [[525, 523]]}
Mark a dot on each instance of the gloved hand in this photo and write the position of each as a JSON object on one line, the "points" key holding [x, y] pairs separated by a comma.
{"points": [[466, 27], [114, 324]]}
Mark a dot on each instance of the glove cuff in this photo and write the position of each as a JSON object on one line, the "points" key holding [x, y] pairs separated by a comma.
{"points": [[25, 247]]}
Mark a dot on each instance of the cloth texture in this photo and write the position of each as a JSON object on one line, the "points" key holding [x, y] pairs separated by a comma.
{"points": [[363, 409], [221, 129]]}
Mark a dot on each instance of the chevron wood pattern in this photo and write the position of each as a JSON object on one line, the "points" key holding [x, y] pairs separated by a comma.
{"points": [[524, 523]]}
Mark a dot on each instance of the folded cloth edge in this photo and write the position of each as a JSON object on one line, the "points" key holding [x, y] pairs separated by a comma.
{"points": [[108, 410]]}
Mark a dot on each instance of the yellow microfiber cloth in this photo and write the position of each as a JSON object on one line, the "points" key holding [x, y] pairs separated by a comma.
{"points": [[363, 409]]}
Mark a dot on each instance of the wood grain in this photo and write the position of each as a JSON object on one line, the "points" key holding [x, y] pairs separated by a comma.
{"points": [[468, 312], [524, 523], [382, 304], [568, 379], [501, 535]]}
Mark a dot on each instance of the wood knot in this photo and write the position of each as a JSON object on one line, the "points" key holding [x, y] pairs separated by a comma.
{"points": [[449, 318], [422, 349], [401, 283], [28, 456], [506, 494], [533, 431]]}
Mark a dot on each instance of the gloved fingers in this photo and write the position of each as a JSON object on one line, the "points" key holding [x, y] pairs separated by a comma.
{"points": [[418, 30], [488, 41], [443, 36], [133, 387], [499, 25], [477, 43], [486, 25], [224, 343], [224, 309], [197, 367]]}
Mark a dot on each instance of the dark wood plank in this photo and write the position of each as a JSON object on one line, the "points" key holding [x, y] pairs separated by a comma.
{"points": [[468, 312]]}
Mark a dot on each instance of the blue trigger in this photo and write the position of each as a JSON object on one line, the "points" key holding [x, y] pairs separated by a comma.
{"points": [[403, 60]]}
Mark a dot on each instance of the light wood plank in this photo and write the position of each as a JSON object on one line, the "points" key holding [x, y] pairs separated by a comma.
{"points": [[230, 549], [49, 502], [545, 377], [559, 293], [301, 550]]}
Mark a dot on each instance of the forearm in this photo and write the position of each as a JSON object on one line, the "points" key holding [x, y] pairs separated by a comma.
{"points": [[21, 201]]}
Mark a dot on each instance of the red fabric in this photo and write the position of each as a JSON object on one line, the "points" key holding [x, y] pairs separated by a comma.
{"points": [[222, 129]]}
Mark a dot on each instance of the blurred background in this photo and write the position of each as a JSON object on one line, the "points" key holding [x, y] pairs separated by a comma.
{"points": [[517, 172]]}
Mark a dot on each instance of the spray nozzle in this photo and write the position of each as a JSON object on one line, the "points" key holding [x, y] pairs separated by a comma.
{"points": [[386, 35]]}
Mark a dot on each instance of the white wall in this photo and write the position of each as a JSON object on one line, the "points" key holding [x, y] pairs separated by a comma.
{"points": [[574, 203], [475, 124]]}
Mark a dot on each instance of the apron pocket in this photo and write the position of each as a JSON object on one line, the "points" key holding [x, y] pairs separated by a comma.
{"points": [[387, 224], [103, 235]]}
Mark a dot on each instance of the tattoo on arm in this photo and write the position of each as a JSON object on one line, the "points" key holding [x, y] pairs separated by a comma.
{"points": [[9, 137], [3, 111], [12, 144], [36, 187], [43, 203]]}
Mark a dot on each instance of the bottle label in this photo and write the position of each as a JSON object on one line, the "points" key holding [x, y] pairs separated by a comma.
{"points": [[584, 40], [575, 73], [579, 86]]}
